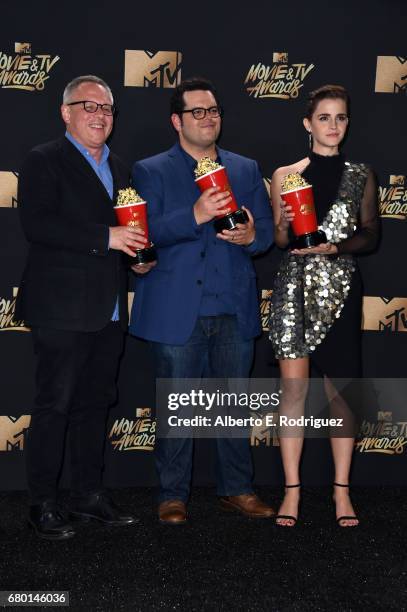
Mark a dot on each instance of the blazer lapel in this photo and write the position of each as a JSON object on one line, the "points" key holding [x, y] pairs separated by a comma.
{"points": [[76, 159], [115, 176], [226, 161], [181, 170]]}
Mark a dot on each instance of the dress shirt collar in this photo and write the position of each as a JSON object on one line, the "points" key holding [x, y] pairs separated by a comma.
{"points": [[85, 152]]}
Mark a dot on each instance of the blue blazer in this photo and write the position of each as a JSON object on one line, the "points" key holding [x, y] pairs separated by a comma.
{"points": [[167, 299]]}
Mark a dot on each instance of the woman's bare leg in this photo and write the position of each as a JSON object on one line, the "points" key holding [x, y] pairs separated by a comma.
{"points": [[294, 385], [342, 451]]}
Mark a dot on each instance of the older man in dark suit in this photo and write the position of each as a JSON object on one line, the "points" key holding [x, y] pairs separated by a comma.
{"points": [[73, 296]]}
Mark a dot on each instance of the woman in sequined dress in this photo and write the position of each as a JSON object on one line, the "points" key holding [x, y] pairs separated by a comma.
{"points": [[316, 303]]}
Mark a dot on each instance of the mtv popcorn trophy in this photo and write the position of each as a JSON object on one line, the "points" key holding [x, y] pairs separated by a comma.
{"points": [[131, 210], [296, 192], [211, 174]]}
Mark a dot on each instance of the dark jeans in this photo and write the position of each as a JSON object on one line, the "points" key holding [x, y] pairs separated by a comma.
{"points": [[214, 350], [76, 383]]}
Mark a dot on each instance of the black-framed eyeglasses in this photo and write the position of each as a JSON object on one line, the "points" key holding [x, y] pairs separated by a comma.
{"points": [[200, 113], [91, 107]]}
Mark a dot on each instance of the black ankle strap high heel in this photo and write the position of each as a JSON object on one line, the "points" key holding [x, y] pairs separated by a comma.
{"points": [[290, 517], [345, 517]]}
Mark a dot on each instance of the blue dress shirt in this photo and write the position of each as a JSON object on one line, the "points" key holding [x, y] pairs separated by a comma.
{"points": [[217, 295], [102, 170]]}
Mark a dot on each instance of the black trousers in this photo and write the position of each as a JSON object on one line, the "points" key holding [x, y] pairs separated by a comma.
{"points": [[75, 385]]}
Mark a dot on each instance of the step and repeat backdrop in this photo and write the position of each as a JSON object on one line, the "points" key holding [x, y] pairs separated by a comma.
{"points": [[263, 58]]}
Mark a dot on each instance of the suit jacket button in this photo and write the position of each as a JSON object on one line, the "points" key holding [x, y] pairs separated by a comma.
{"points": [[202, 253], [199, 282]]}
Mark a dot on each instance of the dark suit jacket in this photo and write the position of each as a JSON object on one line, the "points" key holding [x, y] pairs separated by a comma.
{"points": [[167, 299], [71, 280]]}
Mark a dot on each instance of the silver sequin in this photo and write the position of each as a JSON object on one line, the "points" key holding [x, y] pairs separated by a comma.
{"points": [[309, 292]]}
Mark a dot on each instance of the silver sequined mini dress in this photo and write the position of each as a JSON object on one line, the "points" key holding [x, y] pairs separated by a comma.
{"points": [[310, 291]]}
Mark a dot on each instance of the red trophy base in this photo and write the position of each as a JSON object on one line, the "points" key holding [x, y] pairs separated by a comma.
{"points": [[307, 241], [229, 222]]}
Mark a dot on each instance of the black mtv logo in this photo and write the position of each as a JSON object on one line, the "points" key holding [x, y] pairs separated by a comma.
{"points": [[395, 321], [163, 75], [265, 435], [391, 74], [13, 432], [8, 189], [152, 69]]}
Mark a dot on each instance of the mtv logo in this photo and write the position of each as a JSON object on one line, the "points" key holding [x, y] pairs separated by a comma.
{"points": [[12, 432], [8, 189], [260, 439], [22, 48], [383, 415], [391, 74], [149, 69], [384, 326], [382, 314], [143, 412], [280, 57], [397, 179], [261, 434]]}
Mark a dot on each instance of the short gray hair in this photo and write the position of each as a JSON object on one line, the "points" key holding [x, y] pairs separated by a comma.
{"points": [[88, 78]]}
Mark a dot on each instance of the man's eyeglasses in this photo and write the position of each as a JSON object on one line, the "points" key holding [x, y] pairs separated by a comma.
{"points": [[200, 113], [91, 107]]}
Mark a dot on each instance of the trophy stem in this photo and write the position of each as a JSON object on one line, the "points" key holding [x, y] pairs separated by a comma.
{"points": [[307, 241], [143, 256], [230, 221]]}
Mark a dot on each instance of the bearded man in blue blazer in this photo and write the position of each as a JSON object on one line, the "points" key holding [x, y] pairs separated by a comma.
{"points": [[198, 308]]}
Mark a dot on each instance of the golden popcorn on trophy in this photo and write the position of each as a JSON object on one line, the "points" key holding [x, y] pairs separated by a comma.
{"points": [[297, 193], [131, 211], [211, 174]]}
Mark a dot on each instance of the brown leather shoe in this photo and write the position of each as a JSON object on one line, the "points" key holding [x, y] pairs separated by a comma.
{"points": [[172, 512], [248, 504]]}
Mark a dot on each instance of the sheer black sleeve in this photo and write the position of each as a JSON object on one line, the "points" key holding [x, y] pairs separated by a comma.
{"points": [[366, 236]]}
